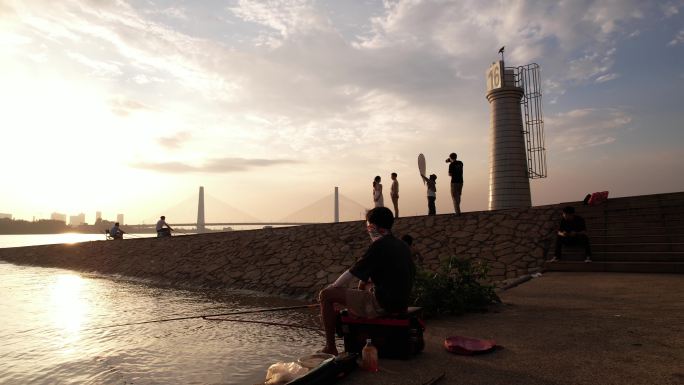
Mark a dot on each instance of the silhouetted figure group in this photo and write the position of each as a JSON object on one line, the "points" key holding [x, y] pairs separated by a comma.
{"points": [[455, 172], [163, 230]]}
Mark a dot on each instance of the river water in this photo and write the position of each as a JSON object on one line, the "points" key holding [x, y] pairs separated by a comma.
{"points": [[47, 334], [48, 239]]}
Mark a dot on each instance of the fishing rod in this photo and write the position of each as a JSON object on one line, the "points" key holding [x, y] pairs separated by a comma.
{"points": [[317, 330], [206, 315]]}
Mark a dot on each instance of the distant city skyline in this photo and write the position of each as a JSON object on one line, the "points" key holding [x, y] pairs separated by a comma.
{"points": [[129, 106]]}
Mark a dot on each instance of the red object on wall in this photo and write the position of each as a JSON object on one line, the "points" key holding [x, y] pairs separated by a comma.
{"points": [[598, 197]]}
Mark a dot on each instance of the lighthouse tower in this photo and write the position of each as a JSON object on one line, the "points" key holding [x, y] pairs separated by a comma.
{"points": [[517, 139]]}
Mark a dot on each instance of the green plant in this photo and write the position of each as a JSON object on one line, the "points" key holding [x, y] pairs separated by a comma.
{"points": [[455, 288]]}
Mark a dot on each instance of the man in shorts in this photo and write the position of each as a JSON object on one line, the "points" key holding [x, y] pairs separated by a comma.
{"points": [[385, 274]]}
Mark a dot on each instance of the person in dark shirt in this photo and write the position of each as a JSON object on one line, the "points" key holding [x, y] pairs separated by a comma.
{"points": [[456, 174], [386, 264], [572, 231], [431, 192], [115, 232]]}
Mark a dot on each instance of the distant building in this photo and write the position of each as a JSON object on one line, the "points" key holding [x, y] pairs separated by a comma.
{"points": [[119, 218], [77, 220], [98, 216], [5, 216], [58, 217]]}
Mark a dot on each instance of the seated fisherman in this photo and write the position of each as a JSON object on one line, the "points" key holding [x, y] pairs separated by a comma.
{"points": [[572, 232], [387, 263], [116, 232], [161, 230]]}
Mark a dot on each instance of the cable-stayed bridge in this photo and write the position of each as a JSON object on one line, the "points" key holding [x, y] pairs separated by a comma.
{"points": [[207, 210]]}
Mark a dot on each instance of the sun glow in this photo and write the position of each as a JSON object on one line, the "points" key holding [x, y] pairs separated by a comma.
{"points": [[68, 307]]}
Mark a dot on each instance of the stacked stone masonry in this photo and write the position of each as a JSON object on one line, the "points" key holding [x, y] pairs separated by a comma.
{"points": [[299, 261]]}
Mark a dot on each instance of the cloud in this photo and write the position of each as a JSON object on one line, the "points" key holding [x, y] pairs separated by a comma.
{"points": [[670, 9], [574, 41], [124, 106], [607, 77], [100, 68], [583, 128], [221, 165], [176, 13], [313, 89], [679, 39], [176, 141], [284, 18]]}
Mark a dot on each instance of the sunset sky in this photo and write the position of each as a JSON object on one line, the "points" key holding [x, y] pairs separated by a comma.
{"points": [[129, 106]]}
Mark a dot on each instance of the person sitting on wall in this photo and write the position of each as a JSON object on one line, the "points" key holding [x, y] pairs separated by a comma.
{"points": [[115, 232], [572, 231], [387, 263], [161, 230]]}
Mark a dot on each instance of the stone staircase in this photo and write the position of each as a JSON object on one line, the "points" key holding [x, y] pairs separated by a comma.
{"points": [[640, 234]]}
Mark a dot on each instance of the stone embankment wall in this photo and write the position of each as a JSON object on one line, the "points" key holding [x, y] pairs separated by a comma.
{"points": [[301, 260]]}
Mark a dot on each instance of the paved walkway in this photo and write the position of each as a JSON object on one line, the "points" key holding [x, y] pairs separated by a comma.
{"points": [[561, 328]]}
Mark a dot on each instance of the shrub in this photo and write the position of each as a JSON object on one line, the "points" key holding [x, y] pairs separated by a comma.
{"points": [[455, 288]]}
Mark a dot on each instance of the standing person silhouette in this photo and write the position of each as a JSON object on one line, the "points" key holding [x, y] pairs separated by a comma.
{"points": [[377, 193], [456, 174], [431, 193], [394, 194]]}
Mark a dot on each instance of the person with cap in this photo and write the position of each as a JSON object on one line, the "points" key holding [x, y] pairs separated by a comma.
{"points": [[431, 193], [161, 230]]}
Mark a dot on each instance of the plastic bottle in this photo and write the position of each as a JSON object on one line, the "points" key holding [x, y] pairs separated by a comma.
{"points": [[369, 357]]}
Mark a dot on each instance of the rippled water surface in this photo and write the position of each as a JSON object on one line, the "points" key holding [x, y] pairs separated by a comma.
{"points": [[19, 240], [47, 334]]}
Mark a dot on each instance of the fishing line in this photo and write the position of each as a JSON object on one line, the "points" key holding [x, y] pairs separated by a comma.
{"points": [[205, 315], [317, 330]]}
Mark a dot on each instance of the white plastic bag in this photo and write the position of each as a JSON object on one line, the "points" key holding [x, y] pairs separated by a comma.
{"points": [[284, 372]]}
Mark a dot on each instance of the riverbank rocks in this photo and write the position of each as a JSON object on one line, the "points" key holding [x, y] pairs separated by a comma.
{"points": [[299, 261]]}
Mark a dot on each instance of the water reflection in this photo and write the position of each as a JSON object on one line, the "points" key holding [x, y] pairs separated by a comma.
{"points": [[68, 308], [48, 334]]}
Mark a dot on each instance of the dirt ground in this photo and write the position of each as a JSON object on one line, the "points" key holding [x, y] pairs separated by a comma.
{"points": [[560, 328]]}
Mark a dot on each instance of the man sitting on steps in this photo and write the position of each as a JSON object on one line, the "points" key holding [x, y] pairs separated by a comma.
{"points": [[572, 231], [387, 263]]}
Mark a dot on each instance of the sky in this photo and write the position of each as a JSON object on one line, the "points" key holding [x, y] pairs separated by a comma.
{"points": [[129, 106]]}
